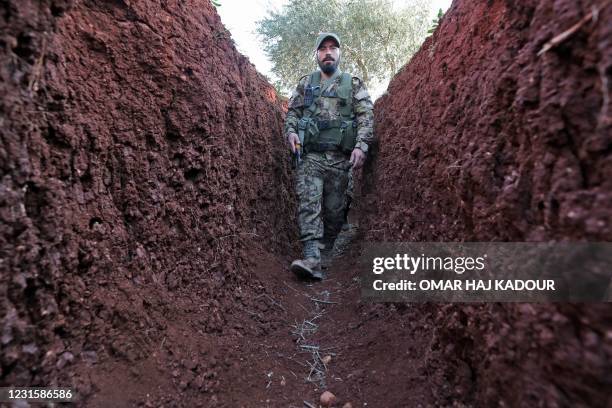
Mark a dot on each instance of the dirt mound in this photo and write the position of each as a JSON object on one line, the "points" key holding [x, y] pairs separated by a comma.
{"points": [[501, 144], [483, 139], [142, 170]]}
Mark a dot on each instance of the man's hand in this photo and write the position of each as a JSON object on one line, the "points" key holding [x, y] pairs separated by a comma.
{"points": [[293, 140], [357, 158]]}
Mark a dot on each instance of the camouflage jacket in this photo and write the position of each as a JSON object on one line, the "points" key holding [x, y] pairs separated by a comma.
{"points": [[326, 110]]}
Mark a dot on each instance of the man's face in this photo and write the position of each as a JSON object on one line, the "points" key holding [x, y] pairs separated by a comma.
{"points": [[328, 56]]}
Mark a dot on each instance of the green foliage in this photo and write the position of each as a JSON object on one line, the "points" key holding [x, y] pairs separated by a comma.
{"points": [[376, 39], [216, 3], [435, 22]]}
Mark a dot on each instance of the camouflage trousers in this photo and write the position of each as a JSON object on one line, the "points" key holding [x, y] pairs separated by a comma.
{"points": [[324, 181]]}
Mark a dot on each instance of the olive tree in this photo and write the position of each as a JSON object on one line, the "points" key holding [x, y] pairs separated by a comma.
{"points": [[378, 37]]}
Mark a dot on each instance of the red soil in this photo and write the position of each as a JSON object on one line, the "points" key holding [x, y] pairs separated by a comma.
{"points": [[481, 139], [141, 168]]}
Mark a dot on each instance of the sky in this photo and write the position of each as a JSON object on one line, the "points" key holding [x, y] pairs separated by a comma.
{"points": [[239, 18]]}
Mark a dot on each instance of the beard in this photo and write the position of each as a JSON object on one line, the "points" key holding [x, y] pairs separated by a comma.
{"points": [[329, 68]]}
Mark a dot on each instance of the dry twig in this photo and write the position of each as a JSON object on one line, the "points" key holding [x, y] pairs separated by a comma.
{"points": [[323, 301], [558, 39]]}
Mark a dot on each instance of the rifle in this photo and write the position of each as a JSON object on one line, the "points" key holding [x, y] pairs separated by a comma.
{"points": [[297, 156]]}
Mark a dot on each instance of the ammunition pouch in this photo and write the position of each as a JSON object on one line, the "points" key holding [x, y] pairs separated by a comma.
{"points": [[325, 135], [349, 137], [307, 132]]}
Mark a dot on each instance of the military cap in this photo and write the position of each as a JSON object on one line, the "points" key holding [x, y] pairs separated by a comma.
{"points": [[324, 36]]}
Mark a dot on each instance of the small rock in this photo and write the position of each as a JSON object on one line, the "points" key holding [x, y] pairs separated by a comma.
{"points": [[327, 399], [326, 359], [7, 336], [30, 348], [356, 374], [11, 41], [90, 357], [347, 405], [64, 359]]}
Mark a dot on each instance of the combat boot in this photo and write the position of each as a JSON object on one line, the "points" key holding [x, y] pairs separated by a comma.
{"points": [[310, 266]]}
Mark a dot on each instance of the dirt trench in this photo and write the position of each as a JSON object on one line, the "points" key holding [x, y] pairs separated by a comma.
{"points": [[500, 129], [148, 212]]}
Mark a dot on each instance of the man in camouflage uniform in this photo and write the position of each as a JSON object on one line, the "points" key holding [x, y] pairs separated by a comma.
{"points": [[329, 123]]}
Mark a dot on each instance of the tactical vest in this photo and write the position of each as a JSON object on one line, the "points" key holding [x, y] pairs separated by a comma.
{"points": [[324, 135]]}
